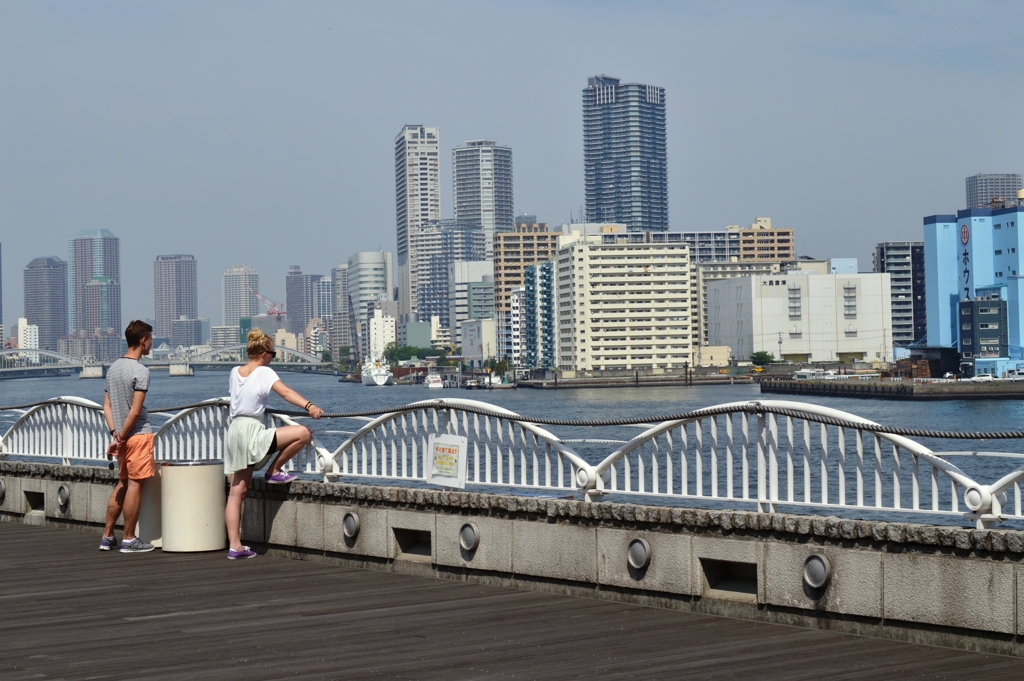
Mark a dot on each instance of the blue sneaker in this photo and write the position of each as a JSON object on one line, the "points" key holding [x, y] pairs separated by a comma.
{"points": [[108, 543], [136, 546]]}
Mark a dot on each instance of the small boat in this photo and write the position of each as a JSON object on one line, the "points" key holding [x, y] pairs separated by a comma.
{"points": [[376, 372], [433, 381]]}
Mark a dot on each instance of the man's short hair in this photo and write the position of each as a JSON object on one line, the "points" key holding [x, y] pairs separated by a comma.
{"points": [[136, 331]]}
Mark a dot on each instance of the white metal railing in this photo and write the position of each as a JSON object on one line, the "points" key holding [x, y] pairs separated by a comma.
{"points": [[742, 454], [501, 452]]}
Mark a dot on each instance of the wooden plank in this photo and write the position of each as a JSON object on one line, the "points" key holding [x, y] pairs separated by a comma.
{"points": [[72, 611]]}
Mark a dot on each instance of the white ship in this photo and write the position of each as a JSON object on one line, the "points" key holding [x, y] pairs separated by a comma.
{"points": [[376, 372], [434, 380]]}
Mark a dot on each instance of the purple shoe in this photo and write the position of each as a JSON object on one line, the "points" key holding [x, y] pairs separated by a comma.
{"points": [[280, 478], [246, 552]]}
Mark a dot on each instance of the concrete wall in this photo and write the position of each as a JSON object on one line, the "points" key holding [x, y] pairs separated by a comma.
{"points": [[931, 584]]}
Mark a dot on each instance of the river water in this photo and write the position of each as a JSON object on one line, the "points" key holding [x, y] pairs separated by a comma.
{"points": [[596, 403]]}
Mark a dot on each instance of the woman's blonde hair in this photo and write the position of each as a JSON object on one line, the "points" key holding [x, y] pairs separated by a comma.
{"points": [[259, 343]]}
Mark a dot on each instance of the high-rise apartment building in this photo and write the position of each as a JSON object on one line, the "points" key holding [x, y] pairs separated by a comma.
{"points": [[175, 290], [225, 336], [341, 323], [528, 243], [238, 287], [539, 328], [102, 304], [715, 246], [1, 294], [625, 154], [622, 305], [95, 256], [300, 295], [511, 336], [482, 187], [186, 332], [438, 245], [417, 200], [760, 242], [904, 262], [985, 189], [46, 299], [370, 277]]}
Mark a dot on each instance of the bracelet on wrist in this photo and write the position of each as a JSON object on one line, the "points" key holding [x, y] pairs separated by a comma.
{"points": [[308, 405]]}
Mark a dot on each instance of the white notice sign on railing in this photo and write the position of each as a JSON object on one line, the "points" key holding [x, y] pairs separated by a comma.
{"points": [[448, 460]]}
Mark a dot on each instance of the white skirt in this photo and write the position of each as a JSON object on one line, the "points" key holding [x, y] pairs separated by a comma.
{"points": [[247, 443]]}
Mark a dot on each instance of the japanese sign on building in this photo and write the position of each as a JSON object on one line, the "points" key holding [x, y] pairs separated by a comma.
{"points": [[964, 275]]}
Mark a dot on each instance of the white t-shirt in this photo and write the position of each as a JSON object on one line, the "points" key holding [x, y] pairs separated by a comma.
{"points": [[249, 394]]}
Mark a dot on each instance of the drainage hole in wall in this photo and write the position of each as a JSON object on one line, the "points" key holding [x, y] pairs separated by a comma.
{"points": [[729, 579], [413, 544]]}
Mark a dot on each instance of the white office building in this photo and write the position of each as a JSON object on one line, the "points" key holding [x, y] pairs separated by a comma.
{"points": [[480, 341], [803, 317], [417, 200], [381, 331], [622, 305], [470, 294], [237, 299], [28, 338], [714, 271]]}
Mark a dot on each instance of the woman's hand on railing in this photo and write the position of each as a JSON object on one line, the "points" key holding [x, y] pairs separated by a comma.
{"points": [[315, 411]]}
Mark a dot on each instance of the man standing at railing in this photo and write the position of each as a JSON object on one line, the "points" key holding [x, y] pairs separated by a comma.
{"points": [[128, 421]]}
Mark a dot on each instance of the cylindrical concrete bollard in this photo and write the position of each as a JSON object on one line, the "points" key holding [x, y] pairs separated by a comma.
{"points": [[193, 498], [150, 511]]}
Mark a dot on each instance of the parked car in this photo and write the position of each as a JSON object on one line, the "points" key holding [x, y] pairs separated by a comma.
{"points": [[757, 370], [949, 374], [983, 378]]}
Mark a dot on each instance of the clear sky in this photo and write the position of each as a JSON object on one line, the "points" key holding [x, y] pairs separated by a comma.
{"points": [[262, 132]]}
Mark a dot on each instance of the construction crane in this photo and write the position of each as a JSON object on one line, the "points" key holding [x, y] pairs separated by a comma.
{"points": [[273, 309]]}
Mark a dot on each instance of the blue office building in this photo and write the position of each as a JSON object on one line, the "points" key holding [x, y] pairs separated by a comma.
{"points": [[975, 255]]}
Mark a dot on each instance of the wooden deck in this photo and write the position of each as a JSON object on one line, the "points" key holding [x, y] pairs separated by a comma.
{"points": [[70, 611]]}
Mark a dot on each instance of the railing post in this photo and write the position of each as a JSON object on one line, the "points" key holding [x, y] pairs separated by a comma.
{"points": [[67, 436]]}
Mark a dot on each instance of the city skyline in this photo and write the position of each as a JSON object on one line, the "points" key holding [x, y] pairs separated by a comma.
{"points": [[772, 127]]}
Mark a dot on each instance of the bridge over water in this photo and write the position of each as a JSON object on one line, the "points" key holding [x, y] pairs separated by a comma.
{"points": [[773, 511], [22, 363]]}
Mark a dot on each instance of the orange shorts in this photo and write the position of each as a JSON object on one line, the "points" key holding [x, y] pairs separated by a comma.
{"points": [[135, 458]]}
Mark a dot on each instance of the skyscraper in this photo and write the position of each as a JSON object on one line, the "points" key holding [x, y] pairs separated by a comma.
{"points": [[625, 157], [95, 255], [341, 323], [175, 290], [370, 277], [417, 200], [300, 297], [482, 187], [438, 245], [1, 294], [983, 189], [46, 299], [237, 299]]}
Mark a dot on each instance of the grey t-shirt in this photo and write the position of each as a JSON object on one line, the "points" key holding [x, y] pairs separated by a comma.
{"points": [[124, 378]]}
